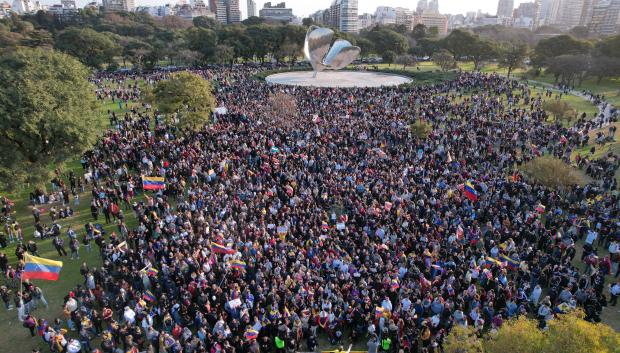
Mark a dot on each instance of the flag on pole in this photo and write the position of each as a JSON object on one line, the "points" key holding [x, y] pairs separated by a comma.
{"points": [[251, 334], [153, 183], [470, 192], [148, 296], [238, 264], [221, 249], [40, 268]]}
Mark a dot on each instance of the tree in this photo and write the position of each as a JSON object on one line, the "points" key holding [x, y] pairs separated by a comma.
{"points": [[554, 173], [556, 46], [481, 52], [388, 57], [560, 110], [405, 60], [225, 54], [202, 40], [580, 32], [365, 45], [609, 46], [419, 31], [444, 59], [384, 39], [48, 113], [568, 68], [520, 335], [307, 21], [512, 56], [186, 98], [206, 22], [253, 20], [90, 47], [604, 66], [459, 43], [462, 340]]}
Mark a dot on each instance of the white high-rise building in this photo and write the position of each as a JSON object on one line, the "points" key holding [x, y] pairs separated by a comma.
{"points": [[433, 6], [569, 14], [251, 8], [119, 5], [385, 15], [505, 8], [605, 19], [422, 6], [404, 17], [348, 16]]}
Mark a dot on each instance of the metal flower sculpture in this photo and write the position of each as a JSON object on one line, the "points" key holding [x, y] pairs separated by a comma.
{"points": [[317, 50]]}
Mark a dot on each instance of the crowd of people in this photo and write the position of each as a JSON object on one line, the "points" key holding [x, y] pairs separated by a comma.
{"points": [[334, 222]]}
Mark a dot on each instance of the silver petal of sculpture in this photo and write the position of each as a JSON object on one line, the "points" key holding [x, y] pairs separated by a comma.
{"points": [[317, 50]]}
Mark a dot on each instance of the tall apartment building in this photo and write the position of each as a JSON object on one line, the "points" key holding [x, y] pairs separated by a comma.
{"points": [[276, 13], [605, 19], [549, 10], [251, 8], [434, 19], [226, 11], [505, 8], [119, 5], [365, 20], [385, 15], [569, 14], [422, 6], [404, 17], [348, 16], [433, 6]]}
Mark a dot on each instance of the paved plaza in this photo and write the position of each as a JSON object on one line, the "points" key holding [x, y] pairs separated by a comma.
{"points": [[338, 79]]}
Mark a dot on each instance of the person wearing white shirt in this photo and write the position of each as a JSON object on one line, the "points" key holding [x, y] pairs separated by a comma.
{"points": [[592, 235], [129, 316], [614, 290]]}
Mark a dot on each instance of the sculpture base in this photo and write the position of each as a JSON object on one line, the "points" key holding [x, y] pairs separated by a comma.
{"points": [[337, 79]]}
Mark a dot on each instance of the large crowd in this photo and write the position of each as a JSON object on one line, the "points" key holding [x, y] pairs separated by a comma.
{"points": [[335, 222]]}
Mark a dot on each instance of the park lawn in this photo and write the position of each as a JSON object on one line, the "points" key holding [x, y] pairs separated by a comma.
{"points": [[609, 86], [54, 291]]}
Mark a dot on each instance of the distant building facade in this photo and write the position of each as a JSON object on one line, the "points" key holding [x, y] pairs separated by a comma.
{"points": [[276, 13], [605, 19], [251, 8], [118, 5]]}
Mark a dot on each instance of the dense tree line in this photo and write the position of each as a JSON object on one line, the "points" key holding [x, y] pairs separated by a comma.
{"points": [[99, 40]]}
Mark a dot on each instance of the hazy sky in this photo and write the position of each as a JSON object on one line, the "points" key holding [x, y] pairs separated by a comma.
{"points": [[303, 8]]}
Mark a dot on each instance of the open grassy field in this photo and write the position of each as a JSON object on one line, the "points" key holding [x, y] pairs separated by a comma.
{"points": [[17, 338]]}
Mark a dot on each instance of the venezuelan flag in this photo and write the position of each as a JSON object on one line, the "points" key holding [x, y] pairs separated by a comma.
{"points": [[251, 334], [153, 183], [221, 249], [148, 296], [489, 261], [470, 192], [152, 272], [513, 264], [40, 268], [238, 264], [394, 285], [379, 311]]}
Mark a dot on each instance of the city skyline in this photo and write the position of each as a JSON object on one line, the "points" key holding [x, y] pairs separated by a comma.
{"points": [[304, 8]]}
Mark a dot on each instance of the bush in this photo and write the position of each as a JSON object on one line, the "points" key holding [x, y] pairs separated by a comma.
{"points": [[554, 173], [559, 109], [421, 128]]}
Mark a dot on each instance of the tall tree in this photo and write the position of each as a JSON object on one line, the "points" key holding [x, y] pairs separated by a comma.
{"points": [[482, 51], [48, 113], [202, 40], [186, 98], [90, 47], [512, 56], [385, 39], [556, 46], [444, 59]]}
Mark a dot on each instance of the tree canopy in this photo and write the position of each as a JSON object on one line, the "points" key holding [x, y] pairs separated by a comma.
{"points": [[48, 113], [185, 98]]}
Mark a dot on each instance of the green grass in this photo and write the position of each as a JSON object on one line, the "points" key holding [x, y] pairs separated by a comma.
{"points": [[54, 291], [609, 86]]}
